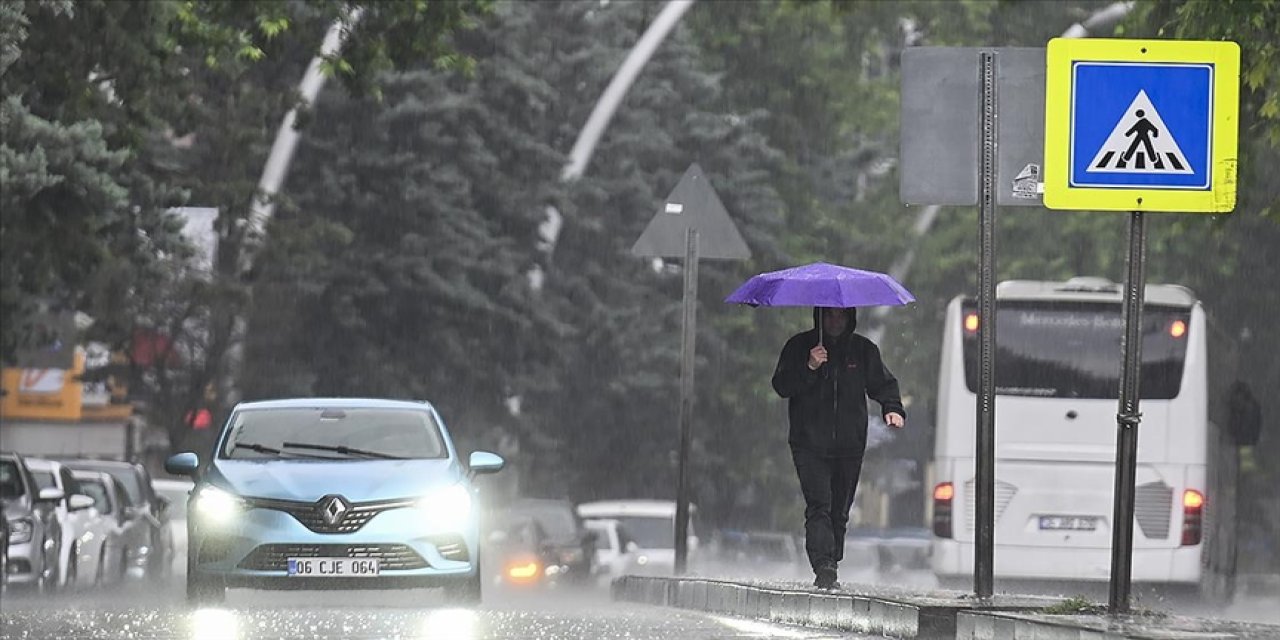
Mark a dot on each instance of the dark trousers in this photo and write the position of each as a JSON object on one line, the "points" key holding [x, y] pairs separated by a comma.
{"points": [[828, 484]]}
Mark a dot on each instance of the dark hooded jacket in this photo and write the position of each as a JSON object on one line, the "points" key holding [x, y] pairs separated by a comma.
{"points": [[828, 407]]}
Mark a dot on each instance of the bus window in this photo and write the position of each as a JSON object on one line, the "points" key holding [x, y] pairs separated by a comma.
{"points": [[1072, 350]]}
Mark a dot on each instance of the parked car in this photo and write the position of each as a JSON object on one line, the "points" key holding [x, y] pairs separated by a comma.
{"points": [[571, 543], [150, 545], [176, 493], [77, 516], [615, 550], [112, 503], [35, 536], [331, 494], [652, 524]]}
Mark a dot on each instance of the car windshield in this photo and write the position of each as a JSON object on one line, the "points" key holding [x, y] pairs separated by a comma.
{"points": [[98, 491], [333, 434], [44, 479], [650, 532], [11, 486], [556, 520], [129, 480]]}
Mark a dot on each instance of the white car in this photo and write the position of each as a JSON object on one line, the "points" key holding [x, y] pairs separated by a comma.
{"points": [[651, 524], [175, 494], [82, 540], [615, 550], [111, 502]]}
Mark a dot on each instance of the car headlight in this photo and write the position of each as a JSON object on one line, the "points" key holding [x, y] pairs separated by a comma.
{"points": [[20, 530], [448, 509], [217, 506]]}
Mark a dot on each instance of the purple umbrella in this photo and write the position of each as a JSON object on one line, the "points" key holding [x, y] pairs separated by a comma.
{"points": [[821, 285]]}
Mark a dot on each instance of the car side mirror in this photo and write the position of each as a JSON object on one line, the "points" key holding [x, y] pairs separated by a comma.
{"points": [[484, 462], [182, 464], [79, 502], [51, 494], [632, 547]]}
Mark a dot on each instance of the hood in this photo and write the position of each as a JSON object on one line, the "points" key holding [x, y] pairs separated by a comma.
{"points": [[357, 481], [852, 312]]}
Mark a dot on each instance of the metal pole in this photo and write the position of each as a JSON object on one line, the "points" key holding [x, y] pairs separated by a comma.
{"points": [[986, 438], [686, 396], [1128, 418]]}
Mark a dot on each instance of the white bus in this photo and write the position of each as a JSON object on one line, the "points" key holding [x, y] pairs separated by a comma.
{"points": [[1057, 384]]}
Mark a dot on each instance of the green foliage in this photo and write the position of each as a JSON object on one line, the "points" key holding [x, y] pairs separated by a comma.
{"points": [[1254, 25], [61, 196], [1075, 605]]}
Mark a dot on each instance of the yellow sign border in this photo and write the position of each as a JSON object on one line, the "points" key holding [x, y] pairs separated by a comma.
{"points": [[1062, 53]]}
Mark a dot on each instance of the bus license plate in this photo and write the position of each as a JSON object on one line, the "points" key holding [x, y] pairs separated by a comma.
{"points": [[1068, 523], [333, 567]]}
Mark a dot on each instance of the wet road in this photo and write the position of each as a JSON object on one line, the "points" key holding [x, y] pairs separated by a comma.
{"points": [[405, 615]]}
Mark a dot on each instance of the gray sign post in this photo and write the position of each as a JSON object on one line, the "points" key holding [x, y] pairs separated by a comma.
{"points": [[953, 121], [692, 224], [986, 417]]}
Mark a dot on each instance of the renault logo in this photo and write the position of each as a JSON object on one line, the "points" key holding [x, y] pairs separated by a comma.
{"points": [[334, 509]]}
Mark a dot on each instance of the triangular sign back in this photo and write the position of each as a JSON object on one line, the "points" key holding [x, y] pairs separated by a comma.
{"points": [[693, 203]]}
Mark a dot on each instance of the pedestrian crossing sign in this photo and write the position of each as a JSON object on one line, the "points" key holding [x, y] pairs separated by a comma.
{"points": [[1141, 125]]}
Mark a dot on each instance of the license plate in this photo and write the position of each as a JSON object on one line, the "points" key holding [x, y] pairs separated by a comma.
{"points": [[1068, 523], [333, 567]]}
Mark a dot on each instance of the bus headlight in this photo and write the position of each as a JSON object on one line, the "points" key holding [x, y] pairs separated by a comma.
{"points": [[448, 509], [217, 506]]}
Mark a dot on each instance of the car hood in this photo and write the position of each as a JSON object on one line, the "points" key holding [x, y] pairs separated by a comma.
{"points": [[357, 480]]}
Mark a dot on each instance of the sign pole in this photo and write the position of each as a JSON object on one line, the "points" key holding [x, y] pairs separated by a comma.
{"points": [[686, 396], [1128, 418], [985, 446]]}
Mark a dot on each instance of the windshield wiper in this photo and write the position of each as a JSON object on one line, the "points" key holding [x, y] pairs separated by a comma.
{"points": [[259, 448], [341, 449], [262, 448]]}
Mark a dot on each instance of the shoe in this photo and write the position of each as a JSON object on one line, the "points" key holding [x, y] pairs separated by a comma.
{"points": [[825, 578]]}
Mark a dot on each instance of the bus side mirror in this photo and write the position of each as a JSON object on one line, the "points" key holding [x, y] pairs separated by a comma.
{"points": [[1244, 415]]}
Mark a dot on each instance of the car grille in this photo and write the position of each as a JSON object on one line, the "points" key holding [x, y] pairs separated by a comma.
{"points": [[312, 514], [275, 557]]}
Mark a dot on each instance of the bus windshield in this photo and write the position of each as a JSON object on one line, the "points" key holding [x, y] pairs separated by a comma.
{"points": [[1072, 349]]}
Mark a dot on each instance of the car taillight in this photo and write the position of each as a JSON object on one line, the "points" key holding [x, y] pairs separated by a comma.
{"points": [[1192, 516], [942, 495]]}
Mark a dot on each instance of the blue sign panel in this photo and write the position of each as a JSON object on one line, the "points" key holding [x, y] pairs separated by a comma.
{"points": [[1141, 125]]}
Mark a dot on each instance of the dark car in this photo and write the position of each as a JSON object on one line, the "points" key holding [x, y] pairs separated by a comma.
{"points": [[150, 542], [35, 538], [525, 559], [571, 543]]}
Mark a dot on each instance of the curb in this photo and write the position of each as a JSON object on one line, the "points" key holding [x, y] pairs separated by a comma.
{"points": [[843, 611], [906, 616]]}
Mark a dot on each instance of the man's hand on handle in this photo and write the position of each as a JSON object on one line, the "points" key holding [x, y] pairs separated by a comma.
{"points": [[817, 356], [895, 420]]}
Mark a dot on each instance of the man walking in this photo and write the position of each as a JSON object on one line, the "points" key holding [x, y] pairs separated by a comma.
{"points": [[826, 374]]}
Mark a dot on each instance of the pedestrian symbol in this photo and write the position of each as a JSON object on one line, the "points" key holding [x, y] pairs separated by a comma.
{"points": [[1140, 143]]}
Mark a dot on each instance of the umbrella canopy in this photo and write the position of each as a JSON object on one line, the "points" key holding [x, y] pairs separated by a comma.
{"points": [[821, 285]]}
